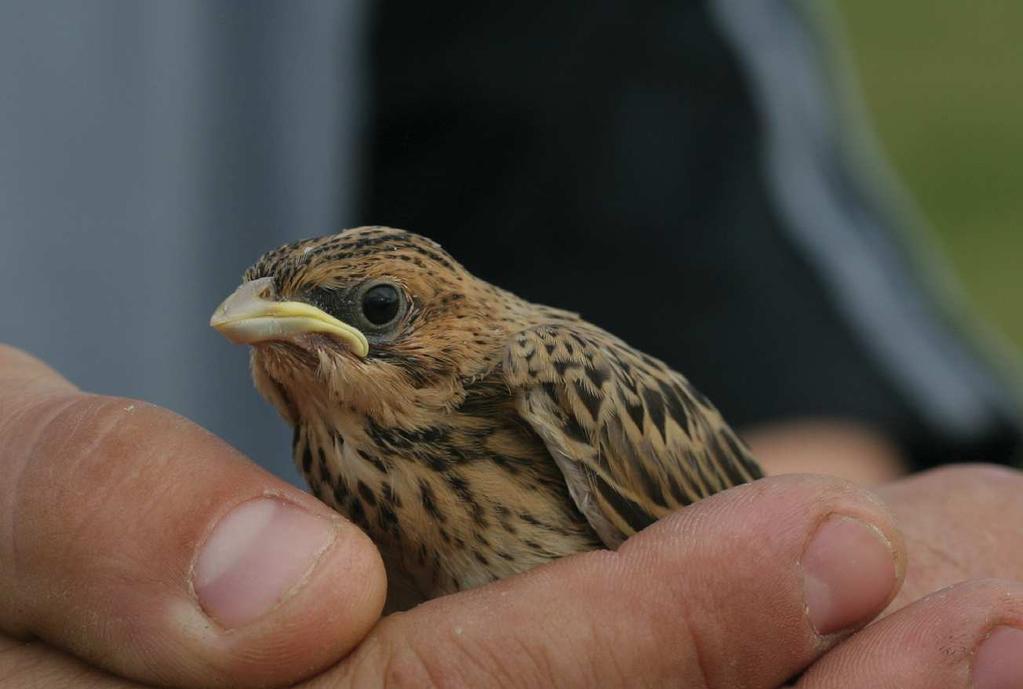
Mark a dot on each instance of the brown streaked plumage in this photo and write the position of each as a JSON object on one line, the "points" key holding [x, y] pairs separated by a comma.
{"points": [[472, 434]]}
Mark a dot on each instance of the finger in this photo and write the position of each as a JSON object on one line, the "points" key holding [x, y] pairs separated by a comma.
{"points": [[957, 521], [34, 664], [746, 589], [138, 541], [968, 636], [848, 450]]}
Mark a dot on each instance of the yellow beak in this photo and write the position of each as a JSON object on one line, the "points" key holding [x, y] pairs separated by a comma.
{"points": [[250, 315]]}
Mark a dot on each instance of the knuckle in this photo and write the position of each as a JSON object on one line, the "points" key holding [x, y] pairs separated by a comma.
{"points": [[968, 477], [383, 665], [397, 658], [985, 473], [991, 593]]}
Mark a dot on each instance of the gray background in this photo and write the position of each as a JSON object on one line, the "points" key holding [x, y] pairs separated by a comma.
{"points": [[142, 169]]}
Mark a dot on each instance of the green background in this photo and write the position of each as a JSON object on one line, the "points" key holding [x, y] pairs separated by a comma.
{"points": [[943, 84]]}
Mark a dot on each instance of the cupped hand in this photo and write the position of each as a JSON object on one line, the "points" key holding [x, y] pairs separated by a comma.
{"points": [[134, 544]]}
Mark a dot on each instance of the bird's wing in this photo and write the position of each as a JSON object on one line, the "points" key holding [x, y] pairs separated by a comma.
{"points": [[633, 438]]}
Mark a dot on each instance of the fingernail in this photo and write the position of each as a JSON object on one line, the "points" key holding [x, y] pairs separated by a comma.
{"points": [[998, 663], [849, 574], [256, 555]]}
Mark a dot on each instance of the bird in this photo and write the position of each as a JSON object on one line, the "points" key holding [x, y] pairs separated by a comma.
{"points": [[473, 435]]}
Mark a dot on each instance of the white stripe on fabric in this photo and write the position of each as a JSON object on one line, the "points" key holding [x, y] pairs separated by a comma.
{"points": [[866, 279]]}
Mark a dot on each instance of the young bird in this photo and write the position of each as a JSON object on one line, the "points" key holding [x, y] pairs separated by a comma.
{"points": [[472, 434]]}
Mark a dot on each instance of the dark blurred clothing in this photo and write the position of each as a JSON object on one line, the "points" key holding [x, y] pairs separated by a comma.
{"points": [[674, 171], [669, 169]]}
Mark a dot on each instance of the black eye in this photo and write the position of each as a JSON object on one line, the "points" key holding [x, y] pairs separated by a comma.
{"points": [[381, 304]]}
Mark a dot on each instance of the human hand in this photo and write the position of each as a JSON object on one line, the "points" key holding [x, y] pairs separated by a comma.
{"points": [[953, 624], [962, 530], [962, 527], [960, 523], [133, 543]]}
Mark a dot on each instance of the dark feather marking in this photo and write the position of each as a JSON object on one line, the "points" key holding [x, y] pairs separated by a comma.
{"points": [[389, 496], [437, 461], [367, 493], [307, 460], [504, 518], [530, 519], [633, 515], [358, 513], [655, 407], [551, 389], [596, 375], [635, 411], [464, 492], [651, 488], [681, 498], [676, 409], [386, 518], [506, 463], [741, 453], [537, 548], [650, 361], [429, 501], [562, 366], [411, 259], [574, 430], [340, 491], [460, 486], [479, 515], [418, 371], [324, 472], [706, 469], [591, 401], [379, 465], [601, 456]]}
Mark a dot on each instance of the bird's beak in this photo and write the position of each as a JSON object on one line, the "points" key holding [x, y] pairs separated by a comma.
{"points": [[251, 315]]}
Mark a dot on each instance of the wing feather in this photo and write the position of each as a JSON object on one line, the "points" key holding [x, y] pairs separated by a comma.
{"points": [[633, 438]]}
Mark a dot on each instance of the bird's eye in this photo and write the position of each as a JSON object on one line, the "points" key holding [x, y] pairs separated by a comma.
{"points": [[381, 304]]}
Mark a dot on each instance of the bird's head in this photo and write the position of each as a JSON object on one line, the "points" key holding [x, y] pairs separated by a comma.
{"points": [[382, 321]]}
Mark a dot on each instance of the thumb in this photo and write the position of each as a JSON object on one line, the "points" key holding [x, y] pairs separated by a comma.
{"points": [[144, 545]]}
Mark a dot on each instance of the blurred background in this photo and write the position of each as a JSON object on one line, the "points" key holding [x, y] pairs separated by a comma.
{"points": [[943, 84], [150, 151]]}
